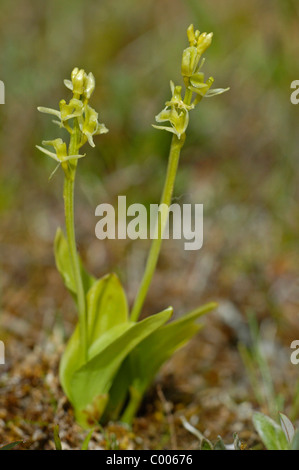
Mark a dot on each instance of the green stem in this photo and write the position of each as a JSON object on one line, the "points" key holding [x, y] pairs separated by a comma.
{"points": [[132, 407], [174, 155], [68, 194]]}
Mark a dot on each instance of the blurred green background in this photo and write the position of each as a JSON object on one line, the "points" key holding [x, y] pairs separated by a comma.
{"points": [[240, 159]]}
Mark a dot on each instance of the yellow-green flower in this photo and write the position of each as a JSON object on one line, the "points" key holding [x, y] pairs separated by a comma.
{"points": [[81, 83], [85, 123], [90, 126], [191, 65], [60, 148], [176, 112], [89, 85], [67, 111]]}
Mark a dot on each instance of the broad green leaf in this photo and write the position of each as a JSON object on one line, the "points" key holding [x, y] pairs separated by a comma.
{"points": [[73, 358], [149, 356], [119, 391], [270, 432], [64, 265], [160, 346], [143, 363], [287, 427], [295, 442], [91, 383], [106, 306], [108, 338]]}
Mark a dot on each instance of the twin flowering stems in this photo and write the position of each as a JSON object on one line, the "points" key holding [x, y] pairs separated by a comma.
{"points": [[81, 121]]}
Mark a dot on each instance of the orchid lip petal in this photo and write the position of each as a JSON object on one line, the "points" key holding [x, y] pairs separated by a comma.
{"points": [[163, 116], [102, 129], [169, 129], [90, 139]]}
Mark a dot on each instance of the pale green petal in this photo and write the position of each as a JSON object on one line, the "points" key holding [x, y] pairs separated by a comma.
{"points": [[102, 129], [180, 123], [216, 91], [200, 91], [172, 87], [41, 109], [72, 157], [164, 128], [197, 80], [164, 115], [168, 129], [89, 85], [90, 139], [47, 152], [68, 84]]}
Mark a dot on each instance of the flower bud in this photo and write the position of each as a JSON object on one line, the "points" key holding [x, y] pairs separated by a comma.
{"points": [[189, 61], [78, 79], [74, 73], [191, 35], [203, 42]]}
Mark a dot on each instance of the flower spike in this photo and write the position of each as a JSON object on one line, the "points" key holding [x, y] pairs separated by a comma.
{"points": [[84, 119], [177, 109]]}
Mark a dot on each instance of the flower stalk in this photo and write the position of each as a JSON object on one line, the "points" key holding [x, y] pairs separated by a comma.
{"points": [[85, 126], [173, 161], [68, 196], [176, 112]]}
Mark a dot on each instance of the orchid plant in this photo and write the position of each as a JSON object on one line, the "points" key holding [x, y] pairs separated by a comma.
{"points": [[112, 357]]}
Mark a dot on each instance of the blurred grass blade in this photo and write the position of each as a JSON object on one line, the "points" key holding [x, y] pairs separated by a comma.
{"points": [[57, 440], [11, 445], [87, 440]]}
